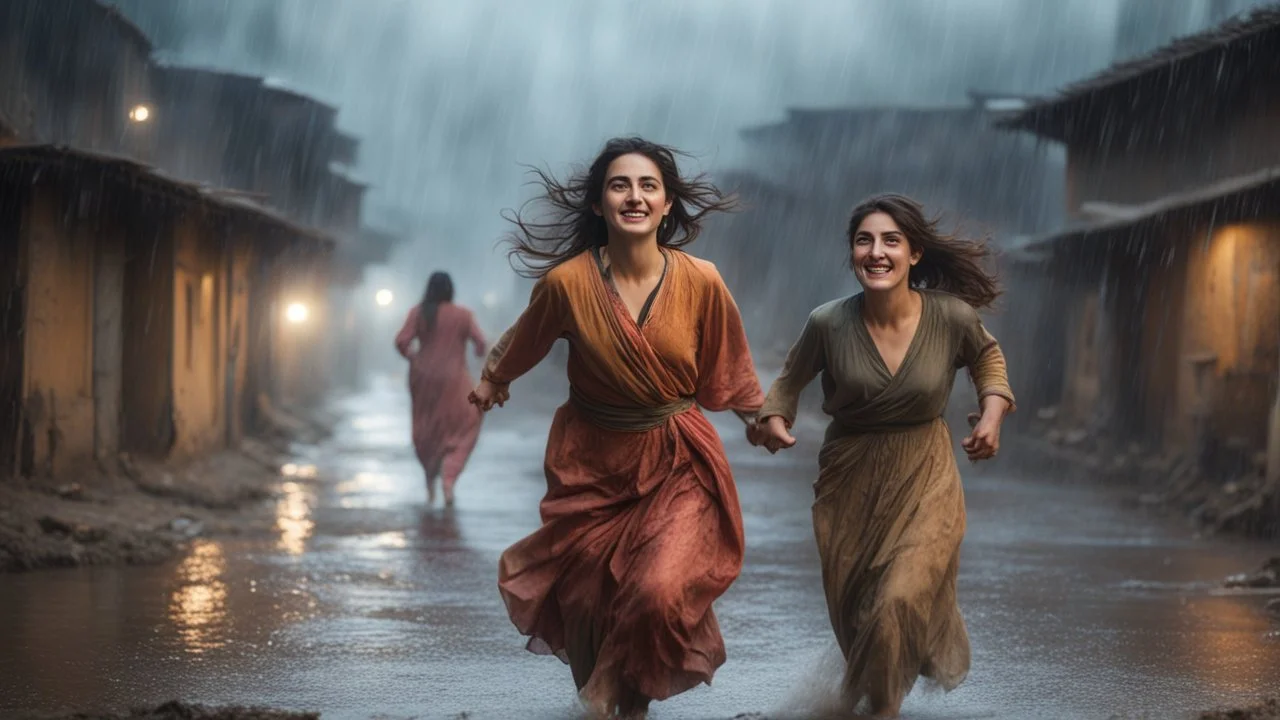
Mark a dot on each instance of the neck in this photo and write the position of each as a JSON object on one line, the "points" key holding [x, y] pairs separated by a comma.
{"points": [[893, 307], [634, 258]]}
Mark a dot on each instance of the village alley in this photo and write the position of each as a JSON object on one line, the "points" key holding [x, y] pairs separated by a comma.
{"points": [[363, 603]]}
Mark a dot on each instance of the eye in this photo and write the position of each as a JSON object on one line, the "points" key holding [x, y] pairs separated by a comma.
{"points": [[862, 240], [650, 186]]}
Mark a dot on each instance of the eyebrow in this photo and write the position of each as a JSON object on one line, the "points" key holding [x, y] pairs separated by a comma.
{"points": [[868, 233], [624, 177]]}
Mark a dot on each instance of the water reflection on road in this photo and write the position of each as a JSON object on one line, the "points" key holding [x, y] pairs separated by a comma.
{"points": [[198, 608], [363, 602]]}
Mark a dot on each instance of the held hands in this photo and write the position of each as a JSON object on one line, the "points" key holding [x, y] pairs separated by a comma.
{"points": [[487, 394], [772, 434]]}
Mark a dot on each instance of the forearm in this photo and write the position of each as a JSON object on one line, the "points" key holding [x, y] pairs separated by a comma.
{"points": [[494, 357], [530, 338], [995, 406], [515, 353], [991, 380]]}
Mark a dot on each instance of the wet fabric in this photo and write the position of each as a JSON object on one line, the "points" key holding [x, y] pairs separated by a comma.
{"points": [[888, 513], [445, 424], [641, 528]]}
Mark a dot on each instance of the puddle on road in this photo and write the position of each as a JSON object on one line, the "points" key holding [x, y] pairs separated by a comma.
{"points": [[362, 601]]}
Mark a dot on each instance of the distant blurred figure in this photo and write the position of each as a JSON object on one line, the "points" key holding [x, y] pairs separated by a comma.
{"points": [[445, 424]]}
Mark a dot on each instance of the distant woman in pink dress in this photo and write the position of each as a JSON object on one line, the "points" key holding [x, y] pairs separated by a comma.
{"points": [[445, 424]]}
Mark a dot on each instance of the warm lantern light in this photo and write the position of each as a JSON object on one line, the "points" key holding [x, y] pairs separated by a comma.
{"points": [[383, 297], [140, 113], [296, 313]]}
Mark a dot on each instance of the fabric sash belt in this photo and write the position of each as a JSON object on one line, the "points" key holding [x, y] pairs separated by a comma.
{"points": [[627, 419]]}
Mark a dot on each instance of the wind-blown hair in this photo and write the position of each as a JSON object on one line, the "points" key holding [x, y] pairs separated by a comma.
{"points": [[947, 262], [567, 223]]}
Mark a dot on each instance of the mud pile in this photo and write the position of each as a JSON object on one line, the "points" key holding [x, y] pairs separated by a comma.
{"points": [[1266, 710], [174, 710]]}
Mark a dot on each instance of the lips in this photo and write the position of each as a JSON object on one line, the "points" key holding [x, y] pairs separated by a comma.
{"points": [[634, 217]]}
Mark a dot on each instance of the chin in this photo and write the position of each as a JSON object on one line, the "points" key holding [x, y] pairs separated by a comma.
{"points": [[634, 231]]}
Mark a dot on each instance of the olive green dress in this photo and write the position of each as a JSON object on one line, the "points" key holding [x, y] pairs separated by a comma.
{"points": [[889, 510]]}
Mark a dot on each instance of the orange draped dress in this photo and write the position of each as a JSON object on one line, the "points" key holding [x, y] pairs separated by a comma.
{"points": [[641, 528]]}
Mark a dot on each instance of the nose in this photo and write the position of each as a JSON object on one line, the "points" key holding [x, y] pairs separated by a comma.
{"points": [[634, 196]]}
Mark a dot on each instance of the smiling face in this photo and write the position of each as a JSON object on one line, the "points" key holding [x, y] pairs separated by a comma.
{"points": [[880, 254], [634, 200]]}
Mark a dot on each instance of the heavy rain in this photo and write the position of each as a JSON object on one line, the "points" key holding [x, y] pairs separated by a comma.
{"points": [[243, 472]]}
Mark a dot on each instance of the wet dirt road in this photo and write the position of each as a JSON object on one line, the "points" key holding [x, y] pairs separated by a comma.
{"points": [[364, 603]]}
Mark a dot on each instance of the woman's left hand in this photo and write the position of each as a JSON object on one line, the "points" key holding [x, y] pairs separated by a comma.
{"points": [[984, 441], [487, 394]]}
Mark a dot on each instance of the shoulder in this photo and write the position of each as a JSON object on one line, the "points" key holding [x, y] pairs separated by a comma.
{"points": [[833, 313], [697, 277], [701, 272], [452, 315], [569, 273], [951, 308], [460, 311]]}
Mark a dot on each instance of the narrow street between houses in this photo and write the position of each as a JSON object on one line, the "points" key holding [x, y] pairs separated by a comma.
{"points": [[364, 603]]}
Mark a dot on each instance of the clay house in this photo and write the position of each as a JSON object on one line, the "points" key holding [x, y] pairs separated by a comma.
{"points": [[121, 304], [352, 303], [233, 301], [98, 97], [315, 187], [278, 147], [259, 138], [1162, 312]]}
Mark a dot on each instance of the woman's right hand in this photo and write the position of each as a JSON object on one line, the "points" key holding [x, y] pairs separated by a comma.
{"points": [[487, 394], [772, 434]]}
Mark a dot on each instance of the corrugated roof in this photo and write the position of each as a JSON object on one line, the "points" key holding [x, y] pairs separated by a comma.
{"points": [[112, 15], [285, 91], [1260, 30], [192, 72], [1230, 199], [84, 163]]}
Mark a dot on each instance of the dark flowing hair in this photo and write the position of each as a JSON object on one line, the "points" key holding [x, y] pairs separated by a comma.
{"points": [[439, 290], [947, 262], [569, 225]]}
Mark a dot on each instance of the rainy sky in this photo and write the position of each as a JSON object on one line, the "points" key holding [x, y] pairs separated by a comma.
{"points": [[449, 98]]}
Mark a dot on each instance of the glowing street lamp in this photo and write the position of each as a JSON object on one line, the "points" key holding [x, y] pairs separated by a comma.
{"points": [[140, 113], [383, 297], [296, 313]]}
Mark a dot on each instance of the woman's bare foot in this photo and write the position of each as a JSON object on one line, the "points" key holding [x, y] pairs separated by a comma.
{"points": [[633, 706], [597, 708], [599, 697], [448, 484]]}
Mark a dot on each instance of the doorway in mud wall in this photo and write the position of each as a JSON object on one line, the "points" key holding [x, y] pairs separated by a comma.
{"points": [[12, 337]]}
